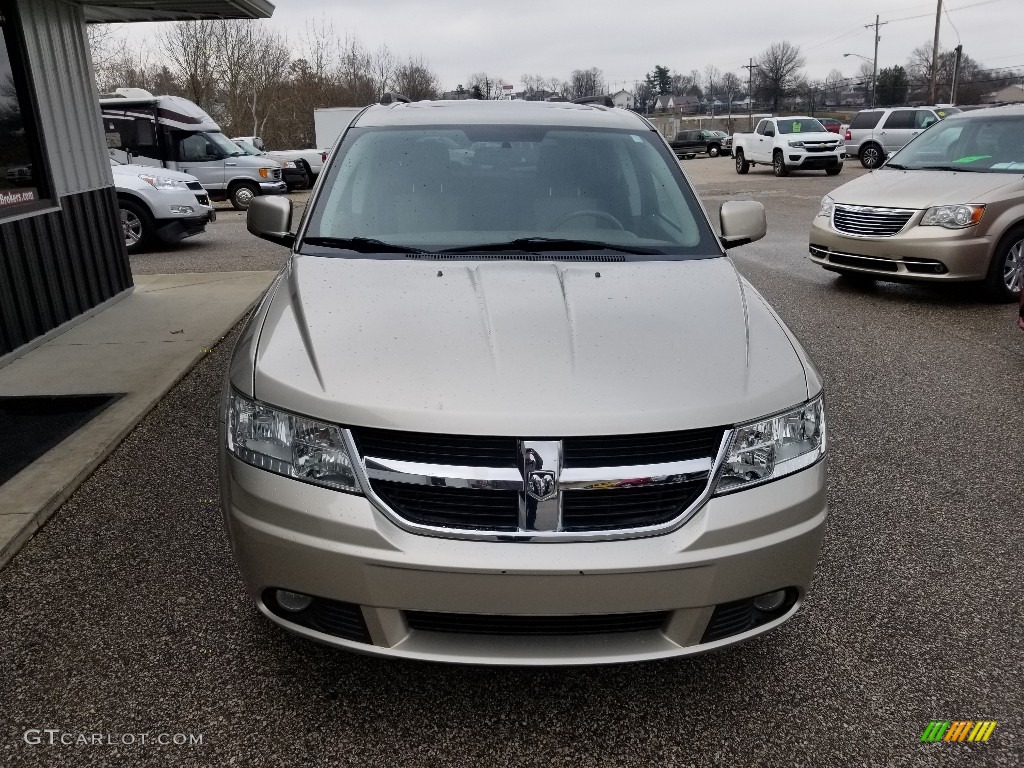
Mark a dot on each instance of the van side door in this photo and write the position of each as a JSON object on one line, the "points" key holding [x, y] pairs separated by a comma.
{"points": [[197, 155]]}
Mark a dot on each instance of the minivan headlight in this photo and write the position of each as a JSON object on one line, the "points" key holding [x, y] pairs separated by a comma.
{"points": [[827, 205], [953, 216], [289, 445], [774, 447]]}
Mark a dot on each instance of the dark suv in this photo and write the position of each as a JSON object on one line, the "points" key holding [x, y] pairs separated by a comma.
{"points": [[688, 143]]}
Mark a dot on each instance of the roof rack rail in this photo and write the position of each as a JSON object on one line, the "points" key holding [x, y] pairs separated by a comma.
{"points": [[604, 101], [390, 97]]}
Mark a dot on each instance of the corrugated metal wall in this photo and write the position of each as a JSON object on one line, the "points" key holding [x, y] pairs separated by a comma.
{"points": [[61, 73], [55, 266]]}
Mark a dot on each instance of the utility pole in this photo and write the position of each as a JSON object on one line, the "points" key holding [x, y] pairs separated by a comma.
{"points": [[935, 53], [874, 64], [750, 91], [956, 74]]}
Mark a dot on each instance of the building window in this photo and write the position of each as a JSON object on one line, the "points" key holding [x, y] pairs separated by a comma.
{"points": [[22, 174]]}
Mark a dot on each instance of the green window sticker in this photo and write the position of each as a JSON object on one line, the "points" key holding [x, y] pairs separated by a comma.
{"points": [[973, 159]]}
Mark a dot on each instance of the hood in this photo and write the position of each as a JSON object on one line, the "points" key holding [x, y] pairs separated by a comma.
{"points": [[523, 348], [135, 171], [888, 188]]}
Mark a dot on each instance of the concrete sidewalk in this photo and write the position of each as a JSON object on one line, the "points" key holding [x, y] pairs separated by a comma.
{"points": [[141, 346]]}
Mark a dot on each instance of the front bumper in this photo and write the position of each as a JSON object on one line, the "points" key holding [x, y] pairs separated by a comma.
{"points": [[273, 187], [173, 230], [295, 536], [813, 161], [916, 253]]}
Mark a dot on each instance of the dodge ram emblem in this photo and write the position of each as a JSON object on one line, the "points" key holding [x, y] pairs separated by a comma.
{"points": [[541, 485]]}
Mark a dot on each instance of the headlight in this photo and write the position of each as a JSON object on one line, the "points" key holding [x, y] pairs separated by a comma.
{"points": [[827, 204], [774, 447], [953, 216], [288, 163], [290, 445], [161, 182], [796, 143]]}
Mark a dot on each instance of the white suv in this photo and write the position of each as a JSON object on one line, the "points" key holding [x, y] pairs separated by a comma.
{"points": [[874, 134], [157, 203]]}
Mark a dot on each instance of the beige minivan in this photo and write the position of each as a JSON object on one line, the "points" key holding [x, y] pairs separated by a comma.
{"points": [[947, 207]]}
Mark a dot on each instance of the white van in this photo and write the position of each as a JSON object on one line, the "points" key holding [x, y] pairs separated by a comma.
{"points": [[172, 132]]}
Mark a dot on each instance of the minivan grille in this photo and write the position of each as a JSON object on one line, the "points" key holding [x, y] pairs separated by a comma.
{"points": [[866, 221], [465, 508]]}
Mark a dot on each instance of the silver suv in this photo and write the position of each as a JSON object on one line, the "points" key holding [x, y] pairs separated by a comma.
{"points": [[874, 134], [510, 403]]}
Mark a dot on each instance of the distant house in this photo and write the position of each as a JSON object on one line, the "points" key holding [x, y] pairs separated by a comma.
{"points": [[623, 99], [669, 103], [1010, 94]]}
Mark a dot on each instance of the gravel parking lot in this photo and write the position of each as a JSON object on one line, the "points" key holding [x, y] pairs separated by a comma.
{"points": [[125, 615]]}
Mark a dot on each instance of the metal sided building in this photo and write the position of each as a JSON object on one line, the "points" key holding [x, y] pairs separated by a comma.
{"points": [[62, 253]]}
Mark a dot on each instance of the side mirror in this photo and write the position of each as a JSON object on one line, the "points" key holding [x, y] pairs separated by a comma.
{"points": [[741, 222], [270, 217], [769, 131]]}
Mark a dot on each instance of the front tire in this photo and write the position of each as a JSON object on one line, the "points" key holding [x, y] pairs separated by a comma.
{"points": [[742, 166], [834, 171], [779, 164], [871, 156], [1006, 272], [712, 151], [137, 225], [309, 174], [242, 194]]}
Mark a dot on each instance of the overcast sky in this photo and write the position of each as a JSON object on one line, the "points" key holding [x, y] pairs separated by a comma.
{"points": [[627, 39]]}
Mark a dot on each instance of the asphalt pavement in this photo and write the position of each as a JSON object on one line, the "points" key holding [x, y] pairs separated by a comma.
{"points": [[125, 615]]}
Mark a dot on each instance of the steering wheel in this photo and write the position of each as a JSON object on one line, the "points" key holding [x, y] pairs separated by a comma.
{"points": [[603, 215]]}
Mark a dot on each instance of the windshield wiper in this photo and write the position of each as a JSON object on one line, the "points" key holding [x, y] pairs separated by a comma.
{"points": [[539, 244], [361, 244], [897, 166], [949, 168]]}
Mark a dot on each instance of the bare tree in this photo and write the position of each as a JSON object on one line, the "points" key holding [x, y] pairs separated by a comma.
{"points": [[779, 67], [190, 50], [384, 66], [586, 82], [834, 82], [729, 86], [711, 77], [415, 80]]}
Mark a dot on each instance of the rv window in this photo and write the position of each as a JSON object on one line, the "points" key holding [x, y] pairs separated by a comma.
{"points": [[23, 178], [196, 148]]}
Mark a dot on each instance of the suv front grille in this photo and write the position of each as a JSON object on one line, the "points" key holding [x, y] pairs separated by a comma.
{"points": [[493, 484], [630, 507], [865, 221]]}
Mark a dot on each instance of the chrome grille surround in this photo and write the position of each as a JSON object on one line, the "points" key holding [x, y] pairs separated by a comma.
{"points": [[870, 221], [540, 491]]}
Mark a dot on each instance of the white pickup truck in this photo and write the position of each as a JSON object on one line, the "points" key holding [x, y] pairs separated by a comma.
{"points": [[310, 160], [788, 143]]}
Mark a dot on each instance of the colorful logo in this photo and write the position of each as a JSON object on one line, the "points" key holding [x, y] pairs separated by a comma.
{"points": [[958, 730]]}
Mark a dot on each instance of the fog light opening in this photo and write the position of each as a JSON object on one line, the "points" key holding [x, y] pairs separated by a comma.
{"points": [[293, 602], [770, 601]]}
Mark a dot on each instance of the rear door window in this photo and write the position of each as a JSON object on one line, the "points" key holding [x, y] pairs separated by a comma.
{"points": [[865, 119], [903, 118], [924, 117]]}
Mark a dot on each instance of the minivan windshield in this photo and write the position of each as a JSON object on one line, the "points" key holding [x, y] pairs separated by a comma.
{"points": [[516, 188], [979, 144]]}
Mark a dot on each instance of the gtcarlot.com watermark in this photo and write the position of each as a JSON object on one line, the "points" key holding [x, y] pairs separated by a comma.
{"points": [[57, 737]]}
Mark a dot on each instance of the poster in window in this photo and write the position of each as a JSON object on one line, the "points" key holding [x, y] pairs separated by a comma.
{"points": [[19, 173]]}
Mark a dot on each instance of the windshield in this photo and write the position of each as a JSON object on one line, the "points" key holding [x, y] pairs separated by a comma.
{"points": [[800, 125], [990, 144], [247, 148], [456, 187]]}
